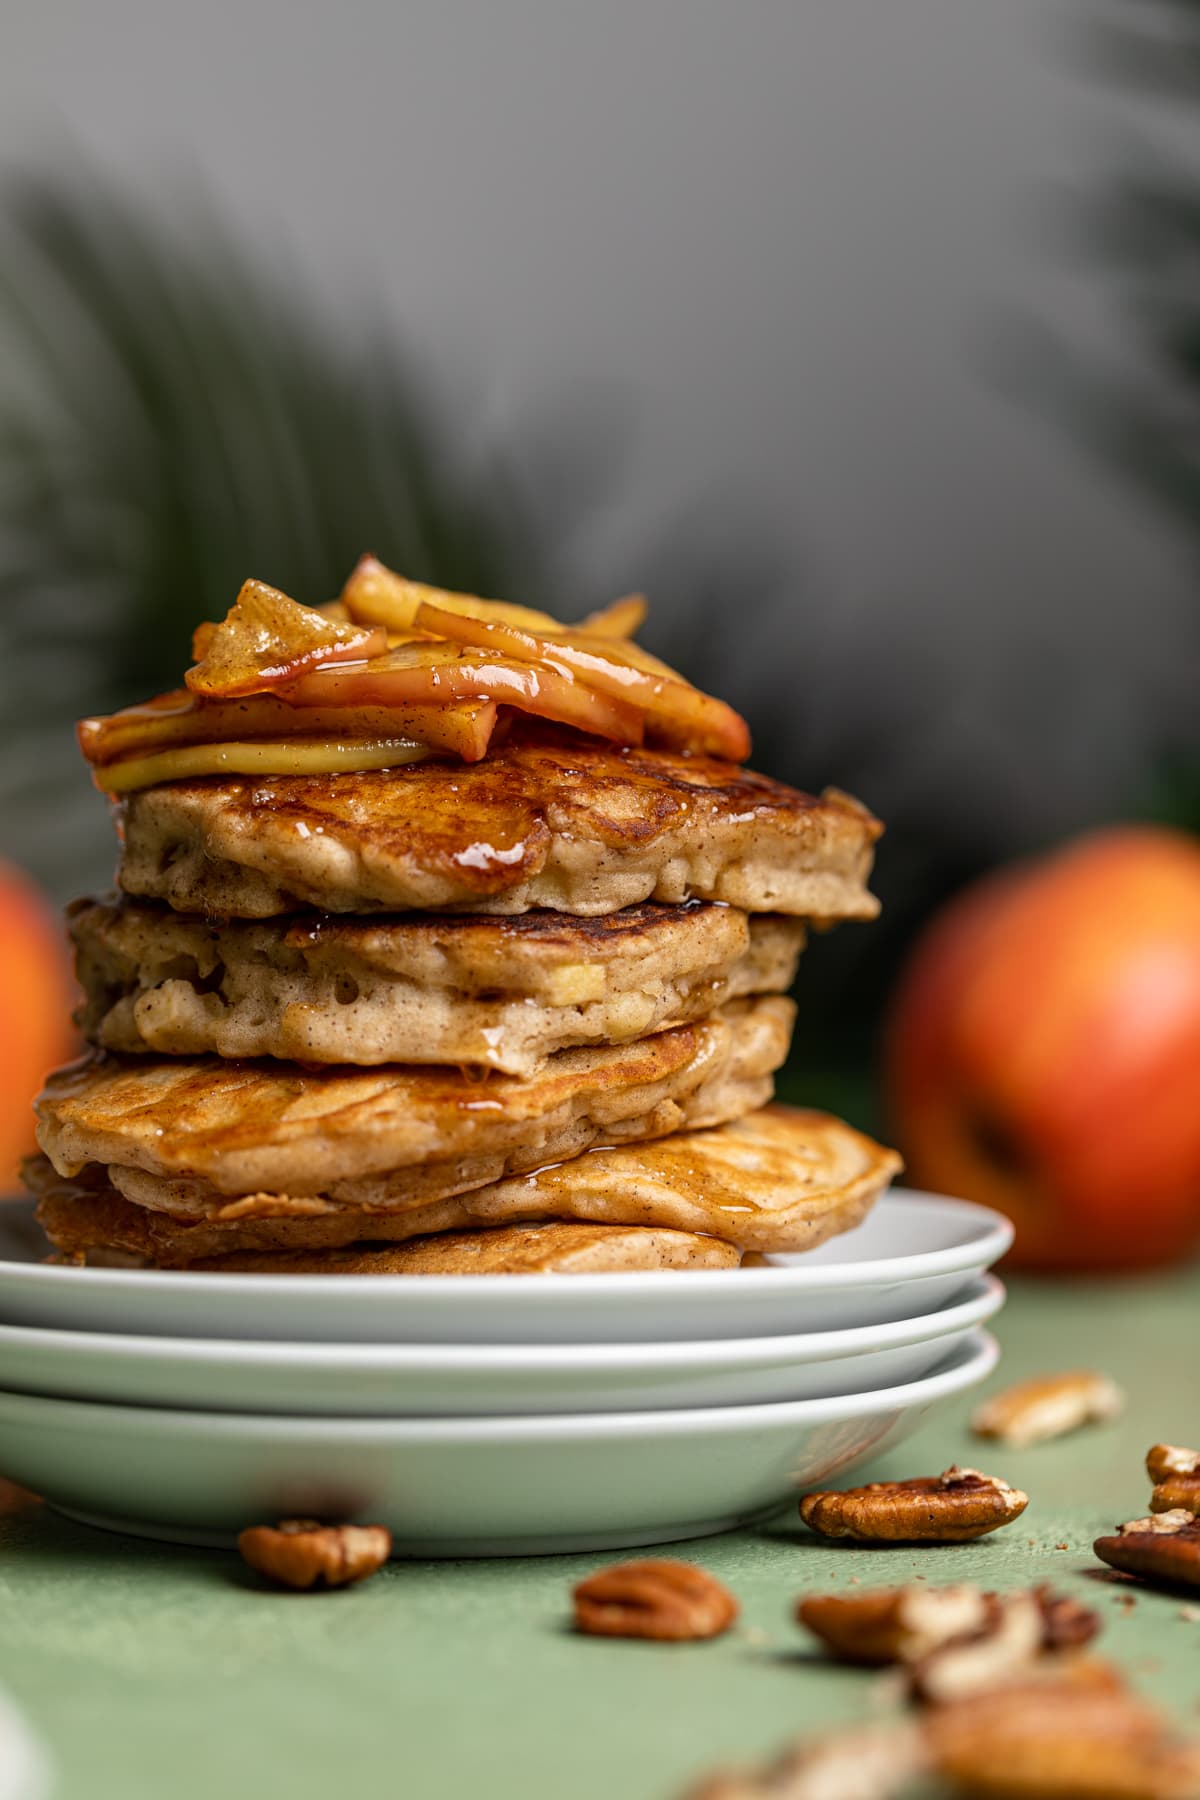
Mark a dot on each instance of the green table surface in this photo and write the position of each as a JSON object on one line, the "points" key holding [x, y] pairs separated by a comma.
{"points": [[152, 1671]]}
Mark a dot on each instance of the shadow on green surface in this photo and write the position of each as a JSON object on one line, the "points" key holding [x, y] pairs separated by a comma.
{"points": [[45, 1538]]}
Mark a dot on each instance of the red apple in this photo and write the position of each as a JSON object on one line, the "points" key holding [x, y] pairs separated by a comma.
{"points": [[1043, 1051], [37, 995]]}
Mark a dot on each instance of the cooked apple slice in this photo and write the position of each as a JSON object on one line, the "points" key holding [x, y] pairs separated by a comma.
{"points": [[177, 719], [426, 674], [622, 618], [676, 713], [260, 756], [375, 595], [266, 638]]}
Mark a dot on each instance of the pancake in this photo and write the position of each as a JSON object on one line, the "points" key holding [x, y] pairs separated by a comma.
{"points": [[202, 1131], [555, 1249], [418, 988], [777, 1180], [577, 827]]}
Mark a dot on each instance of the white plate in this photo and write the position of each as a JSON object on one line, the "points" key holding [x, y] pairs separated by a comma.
{"points": [[414, 1380], [913, 1254], [459, 1487]]}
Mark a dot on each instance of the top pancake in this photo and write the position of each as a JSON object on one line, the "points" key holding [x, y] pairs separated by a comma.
{"points": [[577, 827]]}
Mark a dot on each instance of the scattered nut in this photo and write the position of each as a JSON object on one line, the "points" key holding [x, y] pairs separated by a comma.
{"points": [[1164, 1547], [866, 1762], [655, 1598], [1008, 1644], [303, 1553], [888, 1625], [1076, 1735], [1047, 1407], [951, 1508], [1062, 1738], [1176, 1477], [908, 1624], [1163, 1460], [956, 1641], [1066, 1624]]}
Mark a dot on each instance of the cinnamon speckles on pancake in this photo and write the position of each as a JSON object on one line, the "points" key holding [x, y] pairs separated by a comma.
{"points": [[573, 827]]}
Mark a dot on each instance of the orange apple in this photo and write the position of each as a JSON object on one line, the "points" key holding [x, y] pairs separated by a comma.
{"points": [[37, 995], [1043, 1051]]}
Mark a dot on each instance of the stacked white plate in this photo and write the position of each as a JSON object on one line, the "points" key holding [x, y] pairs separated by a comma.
{"points": [[478, 1415]]}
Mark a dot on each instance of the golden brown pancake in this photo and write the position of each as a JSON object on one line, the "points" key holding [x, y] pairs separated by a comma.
{"points": [[555, 1249], [777, 1180], [500, 993], [575, 826], [200, 1132]]}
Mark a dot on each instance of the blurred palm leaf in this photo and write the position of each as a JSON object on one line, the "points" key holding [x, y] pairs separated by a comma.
{"points": [[170, 422]]}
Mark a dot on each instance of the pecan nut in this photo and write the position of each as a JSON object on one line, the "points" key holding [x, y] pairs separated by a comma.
{"points": [[1047, 1407], [1009, 1642], [951, 1508], [1062, 1737], [1066, 1623], [1176, 1476], [655, 1598], [893, 1625], [303, 1553], [914, 1625], [1165, 1547], [871, 1762]]}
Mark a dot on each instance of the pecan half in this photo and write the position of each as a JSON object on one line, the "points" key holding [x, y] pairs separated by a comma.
{"points": [[1066, 1624], [871, 1762], [1008, 1643], [1062, 1738], [303, 1553], [655, 1598], [889, 1625], [1176, 1476], [1047, 1407], [913, 1625], [951, 1508], [1165, 1547]]}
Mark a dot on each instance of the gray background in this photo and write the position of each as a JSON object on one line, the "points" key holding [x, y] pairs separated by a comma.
{"points": [[764, 246]]}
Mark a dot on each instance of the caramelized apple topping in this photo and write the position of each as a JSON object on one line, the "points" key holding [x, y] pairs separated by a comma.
{"points": [[259, 756], [391, 670], [432, 674], [265, 639], [375, 595], [179, 719], [676, 713], [622, 618]]}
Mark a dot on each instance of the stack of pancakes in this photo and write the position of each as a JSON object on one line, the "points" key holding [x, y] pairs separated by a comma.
{"points": [[521, 1014]]}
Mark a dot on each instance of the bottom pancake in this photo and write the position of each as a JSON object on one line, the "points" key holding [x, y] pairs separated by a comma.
{"points": [[777, 1180], [560, 1248]]}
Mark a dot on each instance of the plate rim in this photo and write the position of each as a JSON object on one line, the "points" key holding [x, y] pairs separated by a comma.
{"points": [[970, 1363], [980, 1251], [266, 1355]]}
